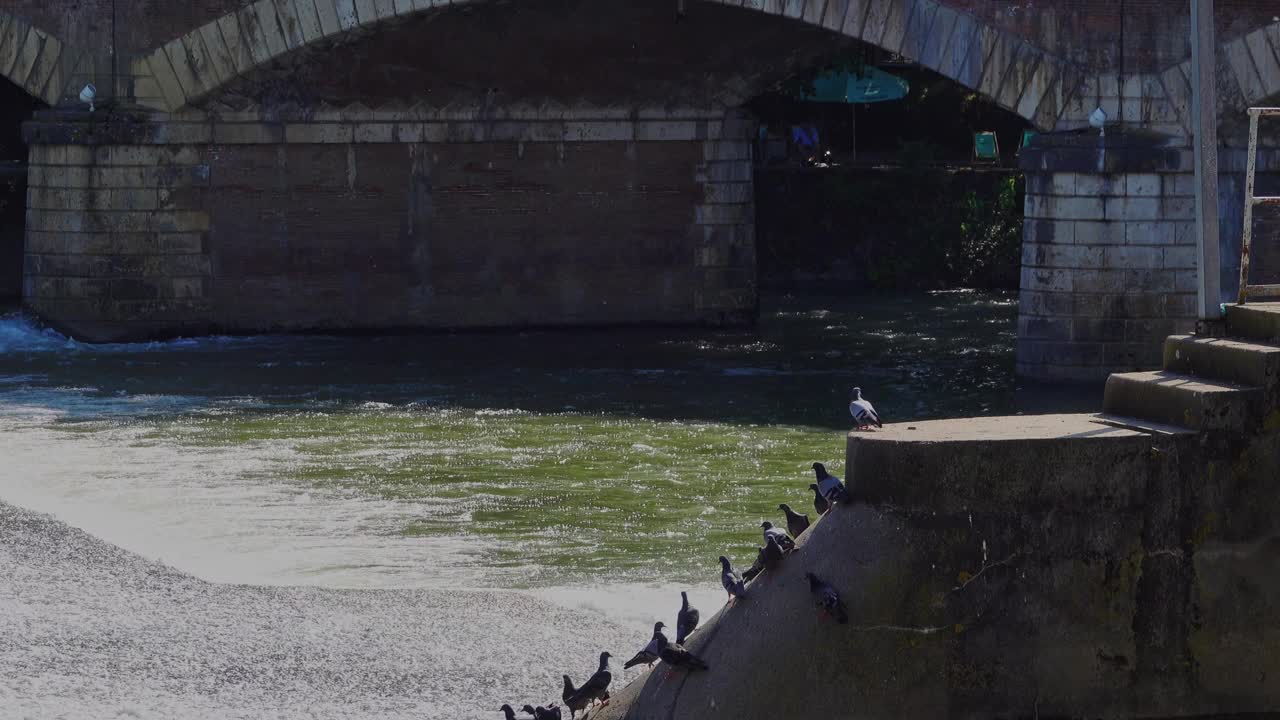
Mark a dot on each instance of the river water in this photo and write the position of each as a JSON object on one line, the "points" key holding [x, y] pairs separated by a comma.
{"points": [[596, 470]]}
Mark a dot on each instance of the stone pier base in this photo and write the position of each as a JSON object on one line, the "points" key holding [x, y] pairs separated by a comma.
{"points": [[1108, 255], [153, 225]]}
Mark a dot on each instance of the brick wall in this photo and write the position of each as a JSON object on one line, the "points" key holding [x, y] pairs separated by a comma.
{"points": [[249, 233]]}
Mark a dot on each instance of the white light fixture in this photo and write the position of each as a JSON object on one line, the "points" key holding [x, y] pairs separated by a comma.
{"points": [[1098, 119], [88, 94]]}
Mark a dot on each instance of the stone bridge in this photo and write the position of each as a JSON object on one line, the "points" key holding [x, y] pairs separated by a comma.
{"points": [[361, 164]]}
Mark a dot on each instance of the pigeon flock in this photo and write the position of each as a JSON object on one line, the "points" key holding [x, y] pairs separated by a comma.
{"points": [[828, 492]]}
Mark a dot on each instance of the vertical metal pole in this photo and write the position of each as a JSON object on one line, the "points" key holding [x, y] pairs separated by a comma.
{"points": [[853, 131], [1204, 102], [115, 68], [1246, 239]]}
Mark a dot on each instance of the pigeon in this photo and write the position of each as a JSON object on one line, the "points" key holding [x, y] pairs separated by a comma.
{"points": [[796, 523], [773, 551], [595, 688], [511, 714], [551, 712], [827, 599], [677, 656], [731, 581], [779, 536], [862, 411], [686, 620], [649, 655], [571, 698], [820, 504], [756, 568], [830, 486]]}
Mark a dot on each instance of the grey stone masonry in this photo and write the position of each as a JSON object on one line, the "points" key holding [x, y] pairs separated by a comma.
{"points": [[1108, 261], [139, 226]]}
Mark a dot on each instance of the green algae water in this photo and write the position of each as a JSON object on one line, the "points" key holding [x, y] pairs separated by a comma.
{"points": [[565, 459]]}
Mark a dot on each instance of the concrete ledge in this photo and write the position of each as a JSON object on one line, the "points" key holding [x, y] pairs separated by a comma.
{"points": [[988, 465]]}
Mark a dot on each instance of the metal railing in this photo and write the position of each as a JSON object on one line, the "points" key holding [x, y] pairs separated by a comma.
{"points": [[1250, 200]]}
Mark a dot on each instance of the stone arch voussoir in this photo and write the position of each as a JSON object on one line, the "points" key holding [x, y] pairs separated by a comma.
{"points": [[999, 65], [34, 59], [204, 60]]}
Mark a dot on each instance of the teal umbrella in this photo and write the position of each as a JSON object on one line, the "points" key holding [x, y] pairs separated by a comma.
{"points": [[869, 86]]}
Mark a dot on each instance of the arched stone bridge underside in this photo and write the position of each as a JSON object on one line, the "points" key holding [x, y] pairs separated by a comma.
{"points": [[330, 164], [218, 54]]}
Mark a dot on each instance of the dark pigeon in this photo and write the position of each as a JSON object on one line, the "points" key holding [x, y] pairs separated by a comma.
{"points": [[862, 411], [832, 489], [827, 599], [783, 540], [677, 657], [508, 712], [649, 655], [595, 688], [773, 552], [551, 712], [756, 568], [570, 697], [731, 581], [820, 504], [686, 620], [796, 523]]}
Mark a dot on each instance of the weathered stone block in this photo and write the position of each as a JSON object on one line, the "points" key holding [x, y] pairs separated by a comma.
{"points": [[876, 18], [1047, 280], [1181, 258], [1158, 233], [920, 24], [1099, 281], [218, 56], [1246, 75], [1124, 257], [1143, 184], [248, 133], [318, 133], [1032, 302], [936, 43], [1049, 232], [1132, 208], [1045, 328], [1181, 305], [834, 14], [1064, 208], [1103, 330]]}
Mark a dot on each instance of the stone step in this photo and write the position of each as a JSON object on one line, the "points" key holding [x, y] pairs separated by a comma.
{"points": [[1175, 399], [1255, 321], [1237, 361]]}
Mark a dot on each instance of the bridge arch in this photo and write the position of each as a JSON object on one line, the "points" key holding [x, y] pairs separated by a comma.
{"points": [[34, 59], [999, 65]]}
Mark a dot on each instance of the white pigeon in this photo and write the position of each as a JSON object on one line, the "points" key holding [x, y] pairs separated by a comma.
{"points": [[863, 412]]}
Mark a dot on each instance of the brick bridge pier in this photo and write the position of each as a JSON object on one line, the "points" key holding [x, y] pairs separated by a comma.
{"points": [[362, 164]]}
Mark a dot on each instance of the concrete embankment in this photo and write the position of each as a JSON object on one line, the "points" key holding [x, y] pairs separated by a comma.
{"points": [[1076, 565]]}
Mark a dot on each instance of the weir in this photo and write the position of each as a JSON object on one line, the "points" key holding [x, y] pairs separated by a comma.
{"points": [[1112, 565]]}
